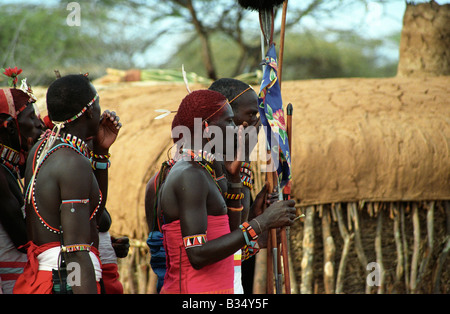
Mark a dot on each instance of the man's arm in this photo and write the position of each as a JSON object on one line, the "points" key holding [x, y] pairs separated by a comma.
{"points": [[11, 216], [150, 197], [193, 213], [106, 136], [75, 183]]}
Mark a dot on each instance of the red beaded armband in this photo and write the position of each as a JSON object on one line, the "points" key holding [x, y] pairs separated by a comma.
{"points": [[194, 240]]}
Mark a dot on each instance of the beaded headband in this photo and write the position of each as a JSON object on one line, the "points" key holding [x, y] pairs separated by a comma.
{"points": [[220, 108], [79, 114], [240, 94]]}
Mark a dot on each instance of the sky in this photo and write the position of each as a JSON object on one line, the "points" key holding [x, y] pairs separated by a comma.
{"points": [[376, 20]]}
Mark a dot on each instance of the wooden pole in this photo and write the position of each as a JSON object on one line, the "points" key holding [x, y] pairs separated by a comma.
{"points": [[282, 35], [283, 234], [273, 254], [329, 250]]}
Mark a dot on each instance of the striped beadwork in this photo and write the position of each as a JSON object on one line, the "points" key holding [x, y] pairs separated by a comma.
{"points": [[76, 143], [194, 240], [246, 175], [8, 154], [230, 196], [75, 248]]}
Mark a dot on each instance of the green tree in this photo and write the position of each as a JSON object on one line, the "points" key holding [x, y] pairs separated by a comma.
{"points": [[306, 56]]}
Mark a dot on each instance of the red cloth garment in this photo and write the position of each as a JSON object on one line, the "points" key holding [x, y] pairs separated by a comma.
{"points": [[110, 276], [181, 277], [35, 281]]}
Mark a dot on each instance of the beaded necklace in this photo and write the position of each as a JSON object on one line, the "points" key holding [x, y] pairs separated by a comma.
{"points": [[68, 141], [76, 143]]}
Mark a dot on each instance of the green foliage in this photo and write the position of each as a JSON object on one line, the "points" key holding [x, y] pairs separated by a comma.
{"points": [[306, 56], [348, 55], [38, 40]]}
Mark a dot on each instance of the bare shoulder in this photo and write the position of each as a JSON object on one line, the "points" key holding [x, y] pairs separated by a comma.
{"points": [[186, 175], [69, 169]]}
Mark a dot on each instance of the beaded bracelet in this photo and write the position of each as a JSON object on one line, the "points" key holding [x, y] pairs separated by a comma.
{"points": [[247, 181], [251, 247], [97, 165], [75, 248], [238, 196], [246, 175], [246, 165], [246, 171], [250, 230], [106, 156]]}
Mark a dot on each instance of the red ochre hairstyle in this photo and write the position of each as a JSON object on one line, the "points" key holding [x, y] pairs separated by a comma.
{"points": [[203, 104]]}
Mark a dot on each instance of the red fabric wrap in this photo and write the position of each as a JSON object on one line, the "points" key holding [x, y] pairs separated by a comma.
{"points": [[33, 280], [110, 276], [214, 278]]}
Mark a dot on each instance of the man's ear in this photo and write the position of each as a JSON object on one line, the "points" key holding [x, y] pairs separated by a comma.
{"points": [[89, 112], [10, 126]]}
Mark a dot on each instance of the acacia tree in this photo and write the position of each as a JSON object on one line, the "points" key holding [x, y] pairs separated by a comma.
{"points": [[203, 18]]}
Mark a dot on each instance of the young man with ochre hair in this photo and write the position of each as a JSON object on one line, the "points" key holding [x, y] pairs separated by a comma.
{"points": [[244, 102], [197, 237]]}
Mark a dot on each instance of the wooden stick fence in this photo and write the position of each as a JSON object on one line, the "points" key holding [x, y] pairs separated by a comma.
{"points": [[337, 243]]}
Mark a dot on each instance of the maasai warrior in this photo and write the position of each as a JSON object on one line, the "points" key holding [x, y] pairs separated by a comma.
{"points": [[66, 189], [19, 130], [197, 237], [244, 102]]}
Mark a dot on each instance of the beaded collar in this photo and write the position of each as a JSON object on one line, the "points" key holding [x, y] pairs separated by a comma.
{"points": [[76, 143], [10, 158], [199, 155]]}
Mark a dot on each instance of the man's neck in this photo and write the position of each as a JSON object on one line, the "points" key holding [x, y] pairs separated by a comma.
{"points": [[80, 133]]}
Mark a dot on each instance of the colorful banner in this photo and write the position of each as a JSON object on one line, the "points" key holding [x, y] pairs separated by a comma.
{"points": [[272, 117]]}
